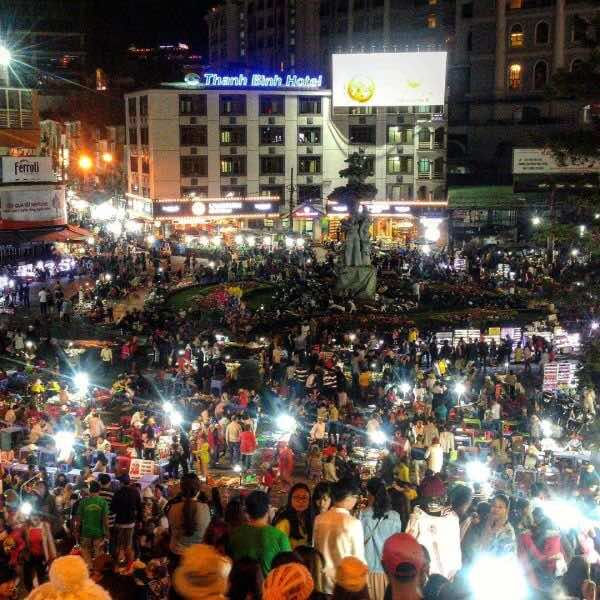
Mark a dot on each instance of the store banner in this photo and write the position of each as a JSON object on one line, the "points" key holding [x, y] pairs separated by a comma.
{"points": [[536, 161], [33, 206], [17, 169]]}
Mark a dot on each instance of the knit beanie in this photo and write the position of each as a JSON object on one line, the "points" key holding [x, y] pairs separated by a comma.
{"points": [[69, 580], [202, 573], [351, 574], [288, 582]]}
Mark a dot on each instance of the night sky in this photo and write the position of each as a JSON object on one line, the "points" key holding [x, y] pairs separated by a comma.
{"points": [[120, 23]]}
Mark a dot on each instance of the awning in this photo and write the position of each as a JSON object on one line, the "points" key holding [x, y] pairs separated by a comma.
{"points": [[70, 233], [499, 197]]}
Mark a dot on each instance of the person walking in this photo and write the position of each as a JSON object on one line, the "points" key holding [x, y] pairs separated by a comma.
{"points": [[232, 439], [92, 518]]}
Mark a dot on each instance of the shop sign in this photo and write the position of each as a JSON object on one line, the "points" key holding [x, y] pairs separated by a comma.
{"points": [[33, 206], [16, 169], [536, 161], [254, 80], [138, 468]]}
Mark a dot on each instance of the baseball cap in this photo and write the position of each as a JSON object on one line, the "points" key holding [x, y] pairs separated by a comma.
{"points": [[402, 555]]}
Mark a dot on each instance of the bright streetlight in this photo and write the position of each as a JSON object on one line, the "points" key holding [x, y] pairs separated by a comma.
{"points": [[107, 157], [5, 56], [85, 163], [536, 221]]}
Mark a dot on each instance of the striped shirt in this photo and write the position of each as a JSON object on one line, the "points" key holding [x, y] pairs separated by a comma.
{"points": [[108, 494]]}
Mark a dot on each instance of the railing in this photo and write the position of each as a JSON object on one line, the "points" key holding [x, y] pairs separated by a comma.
{"points": [[16, 119]]}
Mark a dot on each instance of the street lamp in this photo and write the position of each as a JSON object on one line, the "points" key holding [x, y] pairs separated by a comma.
{"points": [[107, 157], [5, 56], [85, 163], [535, 221]]}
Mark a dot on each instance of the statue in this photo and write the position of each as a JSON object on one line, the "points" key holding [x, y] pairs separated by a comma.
{"points": [[357, 276]]}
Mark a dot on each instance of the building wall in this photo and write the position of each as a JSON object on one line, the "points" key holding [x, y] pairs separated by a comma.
{"points": [[164, 151]]}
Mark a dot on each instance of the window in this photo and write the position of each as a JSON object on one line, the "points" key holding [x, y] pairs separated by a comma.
{"points": [[143, 106], [431, 22], [145, 165], [424, 137], [233, 105], [193, 105], [360, 110], [576, 65], [370, 164], [517, 36], [397, 192], [514, 77], [133, 136], [399, 164], [424, 166], [400, 135], [233, 166], [361, 134], [133, 164], [309, 135], [234, 135], [542, 33], [309, 105], [194, 190], [131, 107], [233, 191], [433, 2], [272, 165], [516, 4], [467, 10], [276, 191], [540, 75], [144, 136], [309, 193], [272, 105], [377, 23], [192, 135], [194, 166], [579, 29], [309, 165], [270, 136]]}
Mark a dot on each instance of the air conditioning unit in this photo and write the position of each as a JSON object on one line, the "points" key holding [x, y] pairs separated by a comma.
{"points": [[193, 150], [234, 181], [233, 151], [271, 150], [309, 179], [309, 150], [193, 120], [232, 120], [399, 179], [272, 180], [194, 181], [310, 121], [271, 121], [399, 149], [400, 119], [362, 120]]}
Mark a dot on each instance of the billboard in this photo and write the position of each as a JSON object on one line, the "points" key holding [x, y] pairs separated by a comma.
{"points": [[389, 79], [33, 206], [539, 161], [16, 169]]}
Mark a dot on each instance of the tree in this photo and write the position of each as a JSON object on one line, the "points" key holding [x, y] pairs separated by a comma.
{"points": [[356, 190], [581, 146]]}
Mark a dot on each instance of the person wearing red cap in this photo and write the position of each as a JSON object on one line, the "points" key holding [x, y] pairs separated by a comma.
{"points": [[437, 527], [406, 566]]}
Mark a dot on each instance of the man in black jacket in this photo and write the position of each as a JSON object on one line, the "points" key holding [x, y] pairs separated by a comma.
{"points": [[126, 505]]}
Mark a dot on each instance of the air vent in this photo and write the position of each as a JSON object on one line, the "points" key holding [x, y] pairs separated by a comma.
{"points": [[272, 180], [271, 150], [310, 121], [362, 120], [309, 150], [232, 120], [398, 178], [232, 150], [193, 120], [271, 120], [193, 150], [234, 181]]}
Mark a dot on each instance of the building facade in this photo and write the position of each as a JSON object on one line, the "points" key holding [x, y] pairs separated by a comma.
{"points": [[276, 35], [238, 145]]}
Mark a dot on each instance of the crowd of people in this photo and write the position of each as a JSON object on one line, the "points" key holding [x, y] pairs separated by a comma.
{"points": [[319, 461]]}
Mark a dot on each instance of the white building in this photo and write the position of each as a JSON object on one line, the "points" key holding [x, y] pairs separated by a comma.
{"points": [[235, 141]]}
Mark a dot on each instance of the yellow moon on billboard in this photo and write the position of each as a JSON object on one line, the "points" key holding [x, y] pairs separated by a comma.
{"points": [[360, 88]]}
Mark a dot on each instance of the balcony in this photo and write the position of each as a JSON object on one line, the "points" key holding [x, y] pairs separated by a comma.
{"points": [[19, 119]]}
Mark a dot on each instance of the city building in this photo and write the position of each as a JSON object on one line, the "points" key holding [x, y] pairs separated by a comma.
{"points": [[274, 35], [503, 56], [231, 153]]}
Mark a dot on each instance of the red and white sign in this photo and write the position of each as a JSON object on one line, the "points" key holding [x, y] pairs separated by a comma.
{"points": [[27, 168], [33, 206]]}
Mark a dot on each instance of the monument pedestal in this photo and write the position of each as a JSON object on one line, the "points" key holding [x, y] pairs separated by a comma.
{"points": [[359, 282]]}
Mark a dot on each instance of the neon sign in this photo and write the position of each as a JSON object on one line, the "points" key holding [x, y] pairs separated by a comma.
{"points": [[254, 80]]}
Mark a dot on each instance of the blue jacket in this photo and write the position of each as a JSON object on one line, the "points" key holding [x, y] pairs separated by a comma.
{"points": [[376, 532]]}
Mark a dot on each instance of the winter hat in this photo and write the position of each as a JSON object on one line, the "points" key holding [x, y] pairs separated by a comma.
{"points": [[202, 573], [351, 574], [288, 582], [69, 580]]}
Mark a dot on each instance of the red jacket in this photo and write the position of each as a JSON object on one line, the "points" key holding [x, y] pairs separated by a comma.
{"points": [[247, 442]]}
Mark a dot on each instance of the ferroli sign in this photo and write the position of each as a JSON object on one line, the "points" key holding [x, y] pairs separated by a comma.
{"points": [[16, 169]]}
